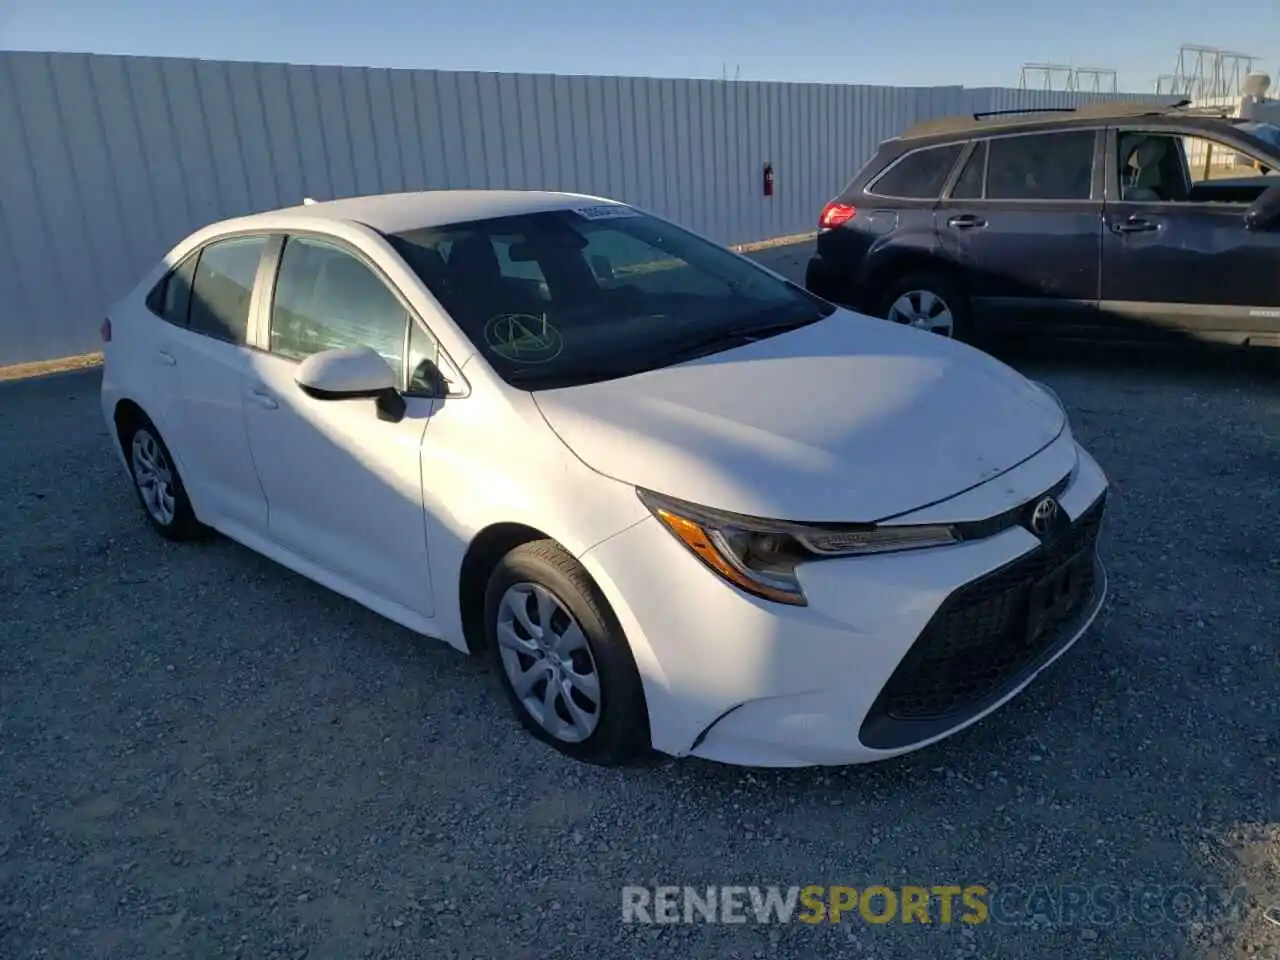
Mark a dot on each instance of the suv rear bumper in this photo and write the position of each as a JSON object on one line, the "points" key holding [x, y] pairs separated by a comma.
{"points": [[829, 281]]}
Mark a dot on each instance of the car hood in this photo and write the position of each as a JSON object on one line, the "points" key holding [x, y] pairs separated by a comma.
{"points": [[849, 419]]}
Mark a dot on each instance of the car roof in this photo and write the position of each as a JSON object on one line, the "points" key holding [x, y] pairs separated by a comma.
{"points": [[1008, 120], [391, 213]]}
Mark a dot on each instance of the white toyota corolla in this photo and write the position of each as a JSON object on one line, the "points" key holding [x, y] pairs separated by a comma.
{"points": [[681, 502]]}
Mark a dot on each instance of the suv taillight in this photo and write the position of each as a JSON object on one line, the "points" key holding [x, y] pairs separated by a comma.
{"points": [[834, 214], [105, 329]]}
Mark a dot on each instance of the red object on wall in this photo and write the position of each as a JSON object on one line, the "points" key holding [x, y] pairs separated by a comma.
{"points": [[768, 179]]}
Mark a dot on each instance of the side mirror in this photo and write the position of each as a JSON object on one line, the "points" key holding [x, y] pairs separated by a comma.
{"points": [[602, 268], [1265, 211], [429, 380], [352, 373]]}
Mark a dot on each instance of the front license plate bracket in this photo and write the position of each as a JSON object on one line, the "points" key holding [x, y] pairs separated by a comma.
{"points": [[1055, 595]]}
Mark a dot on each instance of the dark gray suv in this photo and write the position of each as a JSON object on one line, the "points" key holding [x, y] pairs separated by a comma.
{"points": [[1117, 220]]}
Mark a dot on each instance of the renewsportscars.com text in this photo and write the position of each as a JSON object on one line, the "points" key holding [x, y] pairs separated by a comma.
{"points": [[1006, 905]]}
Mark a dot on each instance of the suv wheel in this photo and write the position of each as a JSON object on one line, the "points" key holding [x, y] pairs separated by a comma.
{"points": [[927, 301]]}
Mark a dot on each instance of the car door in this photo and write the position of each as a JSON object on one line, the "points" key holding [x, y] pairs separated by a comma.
{"points": [[1022, 218], [343, 486], [204, 348], [157, 371], [1177, 259]]}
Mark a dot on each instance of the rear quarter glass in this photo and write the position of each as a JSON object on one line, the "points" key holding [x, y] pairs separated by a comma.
{"points": [[873, 165]]}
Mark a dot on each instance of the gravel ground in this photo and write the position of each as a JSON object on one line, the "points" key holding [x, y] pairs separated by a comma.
{"points": [[203, 755]]}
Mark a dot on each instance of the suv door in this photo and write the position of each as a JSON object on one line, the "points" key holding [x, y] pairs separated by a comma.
{"points": [[204, 347], [1022, 218], [343, 486], [1177, 259]]}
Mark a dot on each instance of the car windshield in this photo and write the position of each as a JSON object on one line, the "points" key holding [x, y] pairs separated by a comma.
{"points": [[1266, 132], [568, 297]]}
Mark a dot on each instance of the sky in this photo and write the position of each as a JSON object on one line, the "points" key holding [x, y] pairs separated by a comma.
{"points": [[900, 42]]}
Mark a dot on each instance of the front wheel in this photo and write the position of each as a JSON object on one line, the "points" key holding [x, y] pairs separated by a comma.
{"points": [[929, 302], [562, 660]]}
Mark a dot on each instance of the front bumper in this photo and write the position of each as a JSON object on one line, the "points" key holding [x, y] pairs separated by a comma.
{"points": [[892, 653]]}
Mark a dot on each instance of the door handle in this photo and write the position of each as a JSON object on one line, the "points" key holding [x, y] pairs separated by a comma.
{"points": [[966, 221], [264, 399], [1135, 225], [166, 358]]}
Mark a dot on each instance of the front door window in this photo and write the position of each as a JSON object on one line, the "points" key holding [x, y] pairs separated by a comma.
{"points": [[326, 298]]}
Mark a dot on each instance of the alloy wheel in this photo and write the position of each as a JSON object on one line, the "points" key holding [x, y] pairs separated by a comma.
{"points": [[153, 474], [923, 310]]}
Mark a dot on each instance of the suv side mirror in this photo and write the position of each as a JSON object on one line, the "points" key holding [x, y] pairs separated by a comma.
{"points": [[602, 268], [351, 373], [1265, 211]]}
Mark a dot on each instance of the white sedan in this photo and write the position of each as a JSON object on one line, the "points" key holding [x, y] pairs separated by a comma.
{"points": [[683, 504]]}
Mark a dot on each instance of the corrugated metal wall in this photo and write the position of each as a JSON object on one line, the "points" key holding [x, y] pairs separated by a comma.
{"points": [[106, 161]]}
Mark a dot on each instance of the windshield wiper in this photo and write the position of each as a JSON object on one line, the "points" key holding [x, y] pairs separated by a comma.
{"points": [[532, 378], [735, 337]]}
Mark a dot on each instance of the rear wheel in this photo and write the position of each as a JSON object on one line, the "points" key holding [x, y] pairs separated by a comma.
{"points": [[157, 483], [927, 301]]}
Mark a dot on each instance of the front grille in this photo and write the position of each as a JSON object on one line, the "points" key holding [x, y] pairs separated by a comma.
{"points": [[981, 639]]}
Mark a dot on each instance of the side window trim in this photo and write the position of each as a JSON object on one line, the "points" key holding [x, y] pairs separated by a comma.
{"points": [[269, 276], [266, 273], [1111, 188], [870, 191], [1095, 194], [948, 188], [458, 387]]}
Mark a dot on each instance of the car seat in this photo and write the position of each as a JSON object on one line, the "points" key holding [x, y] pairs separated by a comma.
{"points": [[473, 264], [1143, 181], [480, 288]]}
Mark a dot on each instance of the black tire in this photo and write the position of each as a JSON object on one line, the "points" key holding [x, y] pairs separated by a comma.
{"points": [[621, 733], [183, 525], [942, 287]]}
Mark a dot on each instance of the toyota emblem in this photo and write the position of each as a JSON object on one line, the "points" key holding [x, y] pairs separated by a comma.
{"points": [[1043, 516]]}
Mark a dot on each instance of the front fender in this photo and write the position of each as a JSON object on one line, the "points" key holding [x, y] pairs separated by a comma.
{"points": [[493, 459]]}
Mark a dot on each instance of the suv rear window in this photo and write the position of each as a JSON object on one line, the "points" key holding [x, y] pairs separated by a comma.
{"points": [[919, 175], [1041, 166]]}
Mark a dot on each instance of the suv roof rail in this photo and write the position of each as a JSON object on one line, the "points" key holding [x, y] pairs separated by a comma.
{"points": [[1007, 113], [1105, 109], [1209, 111]]}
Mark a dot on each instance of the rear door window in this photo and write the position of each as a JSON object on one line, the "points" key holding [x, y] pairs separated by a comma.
{"points": [[1041, 166], [919, 175], [223, 288], [969, 184]]}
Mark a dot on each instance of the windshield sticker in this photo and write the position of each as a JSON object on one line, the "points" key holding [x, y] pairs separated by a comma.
{"points": [[606, 211], [523, 338]]}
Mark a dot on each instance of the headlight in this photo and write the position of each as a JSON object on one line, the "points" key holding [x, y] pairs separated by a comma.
{"points": [[761, 556]]}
